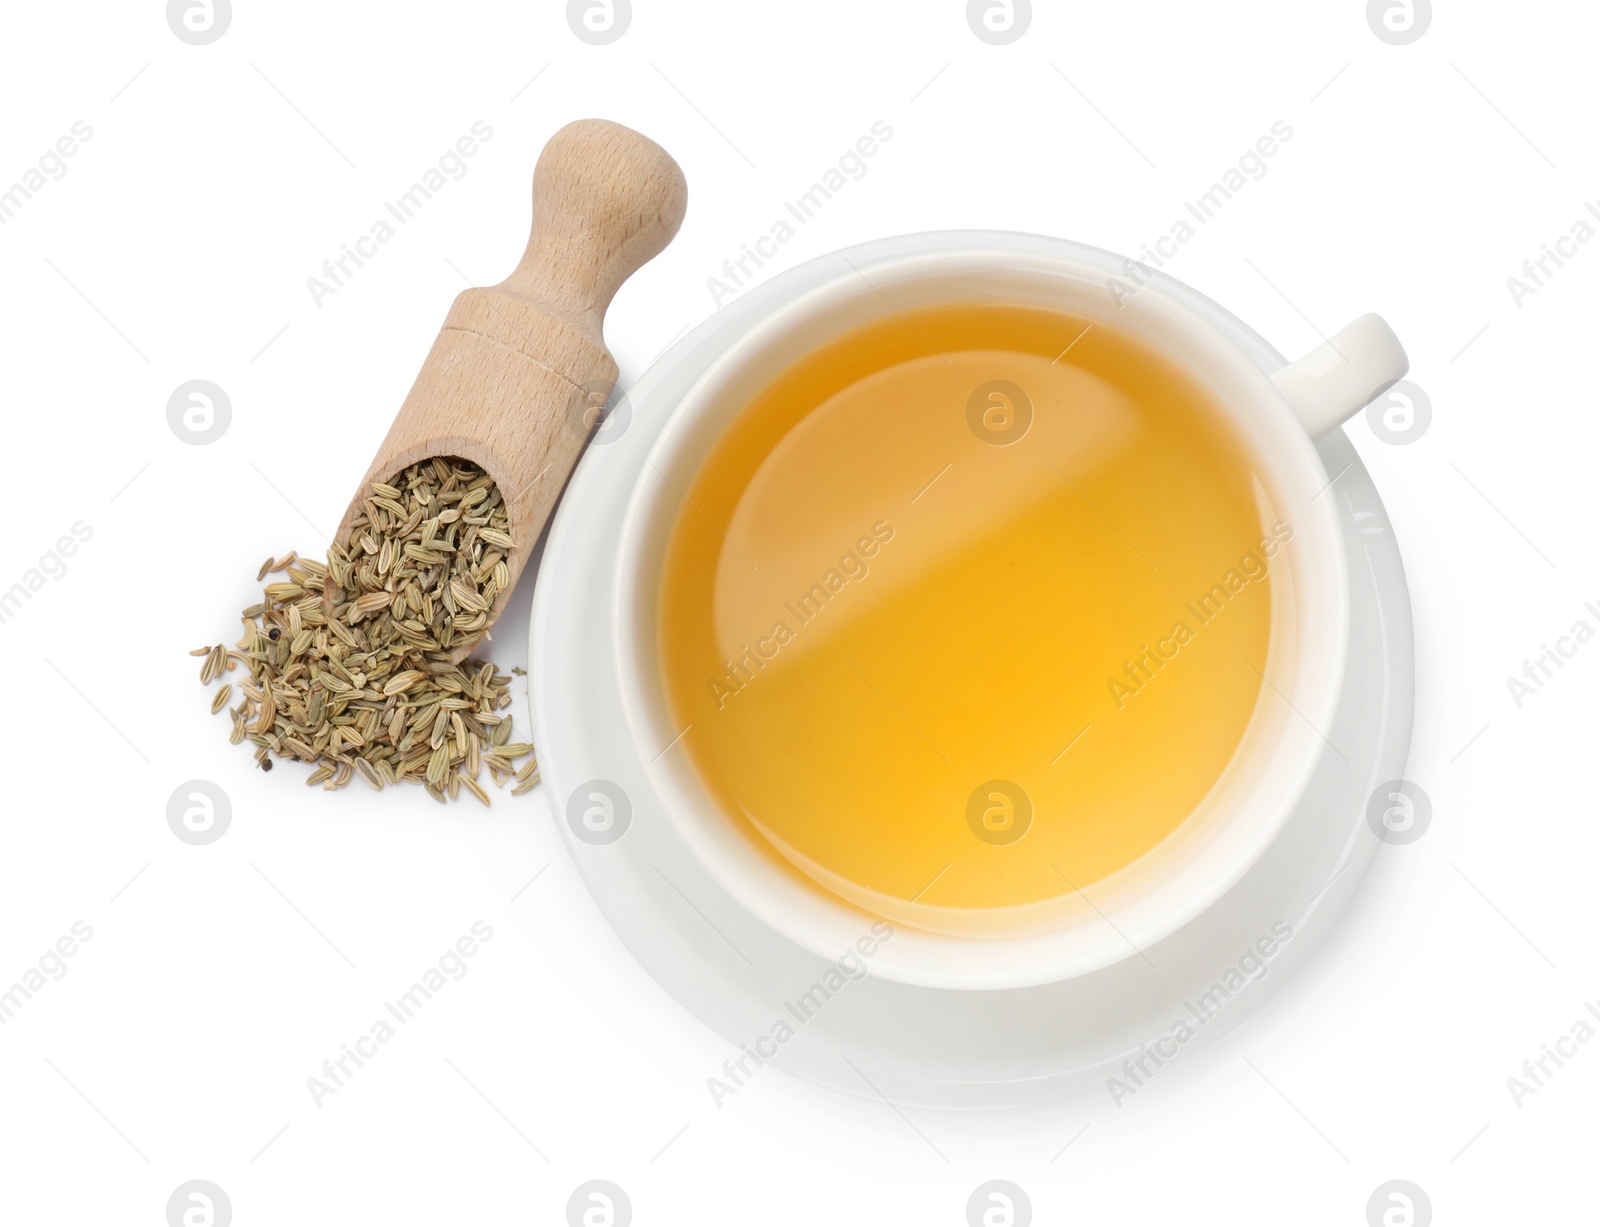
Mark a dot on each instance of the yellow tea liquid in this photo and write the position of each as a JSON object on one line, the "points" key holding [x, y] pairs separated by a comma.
{"points": [[968, 607]]}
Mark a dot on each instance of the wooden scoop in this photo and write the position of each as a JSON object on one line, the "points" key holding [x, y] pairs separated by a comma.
{"points": [[520, 371]]}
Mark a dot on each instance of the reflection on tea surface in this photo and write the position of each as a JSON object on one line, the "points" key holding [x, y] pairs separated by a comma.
{"points": [[968, 607]]}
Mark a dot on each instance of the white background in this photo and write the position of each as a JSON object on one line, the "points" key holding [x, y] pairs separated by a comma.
{"points": [[219, 978]]}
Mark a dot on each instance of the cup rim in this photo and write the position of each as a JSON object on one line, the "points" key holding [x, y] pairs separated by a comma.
{"points": [[826, 924]]}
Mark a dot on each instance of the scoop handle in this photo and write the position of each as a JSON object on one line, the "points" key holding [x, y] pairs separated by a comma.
{"points": [[605, 201]]}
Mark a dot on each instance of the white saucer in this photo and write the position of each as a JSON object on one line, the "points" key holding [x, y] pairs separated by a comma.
{"points": [[919, 1045]]}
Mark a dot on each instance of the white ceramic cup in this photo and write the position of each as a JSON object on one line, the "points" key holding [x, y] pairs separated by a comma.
{"points": [[1274, 419]]}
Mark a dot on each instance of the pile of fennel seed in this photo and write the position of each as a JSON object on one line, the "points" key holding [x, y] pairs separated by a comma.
{"points": [[372, 691]]}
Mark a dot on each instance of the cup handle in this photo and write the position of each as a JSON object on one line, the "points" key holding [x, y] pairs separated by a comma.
{"points": [[1341, 377]]}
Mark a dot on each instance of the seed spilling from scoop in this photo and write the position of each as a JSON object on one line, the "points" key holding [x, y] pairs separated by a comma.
{"points": [[371, 690]]}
